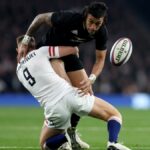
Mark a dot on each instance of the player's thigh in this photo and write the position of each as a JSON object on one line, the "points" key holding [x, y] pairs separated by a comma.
{"points": [[77, 76], [103, 110], [58, 115], [47, 132], [79, 105], [75, 70]]}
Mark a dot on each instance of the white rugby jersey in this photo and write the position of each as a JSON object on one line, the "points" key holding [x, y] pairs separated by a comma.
{"points": [[37, 75]]}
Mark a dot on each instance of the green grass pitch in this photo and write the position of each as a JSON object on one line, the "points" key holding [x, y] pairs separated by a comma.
{"points": [[20, 129]]}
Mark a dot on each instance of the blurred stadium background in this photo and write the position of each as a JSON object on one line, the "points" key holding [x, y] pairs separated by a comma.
{"points": [[125, 86], [125, 18]]}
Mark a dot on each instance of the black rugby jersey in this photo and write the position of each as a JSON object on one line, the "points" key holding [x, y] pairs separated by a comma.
{"points": [[68, 30]]}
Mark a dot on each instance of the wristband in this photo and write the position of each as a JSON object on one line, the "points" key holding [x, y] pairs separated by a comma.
{"points": [[92, 77], [26, 40], [77, 49]]}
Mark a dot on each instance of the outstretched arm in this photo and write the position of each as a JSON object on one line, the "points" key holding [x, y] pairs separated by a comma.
{"points": [[99, 63], [96, 70], [35, 25], [38, 21]]}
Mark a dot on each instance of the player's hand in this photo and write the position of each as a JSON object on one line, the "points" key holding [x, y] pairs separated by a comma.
{"points": [[86, 86], [81, 93], [22, 51]]}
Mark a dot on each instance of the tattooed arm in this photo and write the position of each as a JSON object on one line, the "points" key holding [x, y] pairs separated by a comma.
{"points": [[38, 21], [35, 25]]}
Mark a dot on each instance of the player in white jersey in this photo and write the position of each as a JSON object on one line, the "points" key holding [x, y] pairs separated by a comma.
{"points": [[38, 76], [59, 99]]}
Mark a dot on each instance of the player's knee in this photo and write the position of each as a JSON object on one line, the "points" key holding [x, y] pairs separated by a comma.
{"points": [[42, 145], [116, 115], [113, 113], [119, 115]]}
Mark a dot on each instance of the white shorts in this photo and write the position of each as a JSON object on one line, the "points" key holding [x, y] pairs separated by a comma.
{"points": [[58, 116]]}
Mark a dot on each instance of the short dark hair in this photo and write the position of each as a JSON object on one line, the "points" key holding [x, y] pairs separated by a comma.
{"points": [[96, 9], [32, 42]]}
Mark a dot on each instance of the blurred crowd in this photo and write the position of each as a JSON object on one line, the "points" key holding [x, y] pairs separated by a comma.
{"points": [[133, 77]]}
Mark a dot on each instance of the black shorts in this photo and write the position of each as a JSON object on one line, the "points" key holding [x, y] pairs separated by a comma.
{"points": [[72, 63]]}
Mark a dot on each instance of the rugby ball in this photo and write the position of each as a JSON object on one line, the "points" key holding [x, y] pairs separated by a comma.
{"points": [[121, 51]]}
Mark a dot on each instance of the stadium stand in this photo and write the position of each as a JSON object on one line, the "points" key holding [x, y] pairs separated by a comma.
{"points": [[123, 20]]}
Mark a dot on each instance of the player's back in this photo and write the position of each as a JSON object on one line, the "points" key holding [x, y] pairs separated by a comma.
{"points": [[37, 75]]}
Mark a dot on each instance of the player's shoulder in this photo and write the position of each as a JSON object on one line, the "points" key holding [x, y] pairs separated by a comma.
{"points": [[42, 50], [72, 15], [69, 13], [102, 32]]}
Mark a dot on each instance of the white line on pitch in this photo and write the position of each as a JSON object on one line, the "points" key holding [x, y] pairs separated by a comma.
{"points": [[15, 147], [37, 148]]}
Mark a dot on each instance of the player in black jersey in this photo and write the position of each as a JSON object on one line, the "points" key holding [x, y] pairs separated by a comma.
{"points": [[68, 28]]}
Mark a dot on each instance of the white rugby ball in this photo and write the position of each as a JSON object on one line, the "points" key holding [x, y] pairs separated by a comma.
{"points": [[121, 51]]}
